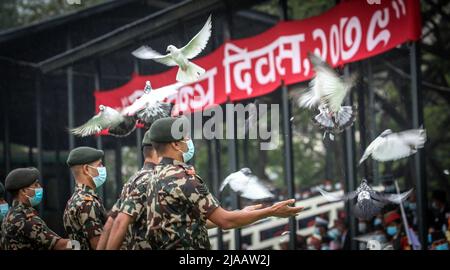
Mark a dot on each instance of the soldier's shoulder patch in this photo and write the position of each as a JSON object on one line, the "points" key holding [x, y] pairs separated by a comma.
{"points": [[190, 170], [30, 215]]}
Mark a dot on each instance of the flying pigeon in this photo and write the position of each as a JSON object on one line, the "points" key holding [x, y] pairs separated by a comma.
{"points": [[150, 106], [107, 118], [188, 72], [392, 146], [327, 92], [369, 202], [247, 184]]}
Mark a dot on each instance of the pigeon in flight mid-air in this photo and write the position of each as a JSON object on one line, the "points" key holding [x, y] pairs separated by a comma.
{"points": [[368, 201], [392, 146], [150, 106], [188, 72], [107, 118], [247, 185], [327, 92]]}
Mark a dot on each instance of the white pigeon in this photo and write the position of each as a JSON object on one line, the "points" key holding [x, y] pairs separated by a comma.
{"points": [[392, 146], [327, 92], [150, 106], [107, 118], [247, 185], [188, 72], [374, 241]]}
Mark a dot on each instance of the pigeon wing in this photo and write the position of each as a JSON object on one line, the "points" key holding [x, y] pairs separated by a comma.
{"points": [[328, 84], [153, 112], [390, 198], [145, 52], [255, 190], [103, 120], [333, 197], [393, 147], [198, 42], [124, 128]]}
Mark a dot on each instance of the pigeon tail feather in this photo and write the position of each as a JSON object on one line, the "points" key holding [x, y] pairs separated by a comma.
{"points": [[191, 74]]}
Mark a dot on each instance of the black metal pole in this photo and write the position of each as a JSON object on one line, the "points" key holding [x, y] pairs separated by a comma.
{"points": [[6, 140], [138, 130], [373, 123], [118, 167], [362, 122], [39, 163], [70, 108], [232, 147], [350, 169], [216, 184], [288, 160], [98, 85], [419, 158]]}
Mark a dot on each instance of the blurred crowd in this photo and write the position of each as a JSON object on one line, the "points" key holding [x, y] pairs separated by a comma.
{"points": [[385, 231]]}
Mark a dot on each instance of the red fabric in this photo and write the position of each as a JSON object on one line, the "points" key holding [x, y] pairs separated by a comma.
{"points": [[255, 66]]}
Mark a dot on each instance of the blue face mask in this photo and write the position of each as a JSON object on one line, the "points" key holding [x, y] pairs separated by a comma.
{"points": [[190, 152], [100, 179], [334, 234], [4, 207], [442, 247], [316, 230], [377, 222], [37, 198], [392, 230], [430, 239]]}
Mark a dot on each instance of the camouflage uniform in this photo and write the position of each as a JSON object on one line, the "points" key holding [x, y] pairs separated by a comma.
{"points": [[133, 202], [84, 215], [179, 204], [24, 229]]}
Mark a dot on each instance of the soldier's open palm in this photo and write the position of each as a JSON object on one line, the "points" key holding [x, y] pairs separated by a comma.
{"points": [[282, 209]]}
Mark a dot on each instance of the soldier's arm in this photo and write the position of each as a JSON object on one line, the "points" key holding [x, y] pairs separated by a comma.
{"points": [[235, 219], [89, 219], [37, 231], [210, 224], [118, 231], [101, 245]]}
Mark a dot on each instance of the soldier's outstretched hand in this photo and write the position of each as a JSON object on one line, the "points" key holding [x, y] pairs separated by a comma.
{"points": [[282, 209], [252, 207]]}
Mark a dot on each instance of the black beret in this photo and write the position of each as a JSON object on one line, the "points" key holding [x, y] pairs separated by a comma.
{"points": [[83, 155], [161, 129], [21, 177], [146, 140], [2, 190]]}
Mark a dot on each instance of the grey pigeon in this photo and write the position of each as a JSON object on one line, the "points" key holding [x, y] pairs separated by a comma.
{"points": [[392, 146], [107, 118], [368, 201], [327, 92], [188, 72], [247, 185]]}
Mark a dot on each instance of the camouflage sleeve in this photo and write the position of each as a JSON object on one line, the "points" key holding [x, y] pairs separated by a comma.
{"points": [[39, 234], [90, 218], [116, 208], [134, 202], [198, 194]]}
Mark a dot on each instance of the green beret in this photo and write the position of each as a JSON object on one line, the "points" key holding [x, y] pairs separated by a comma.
{"points": [[161, 130], [146, 140], [83, 155], [21, 177], [2, 190]]}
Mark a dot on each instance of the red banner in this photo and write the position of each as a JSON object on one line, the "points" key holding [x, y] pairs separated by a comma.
{"points": [[255, 66]]}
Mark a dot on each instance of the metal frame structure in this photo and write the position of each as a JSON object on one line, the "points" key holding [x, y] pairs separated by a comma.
{"points": [[154, 24]]}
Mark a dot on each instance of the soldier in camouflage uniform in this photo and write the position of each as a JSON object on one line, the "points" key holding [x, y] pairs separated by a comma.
{"points": [[180, 204], [129, 213], [4, 207], [85, 216], [22, 228]]}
